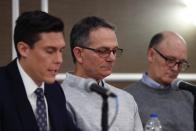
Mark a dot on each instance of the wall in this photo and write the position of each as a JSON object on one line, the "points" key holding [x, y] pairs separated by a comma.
{"points": [[136, 21]]}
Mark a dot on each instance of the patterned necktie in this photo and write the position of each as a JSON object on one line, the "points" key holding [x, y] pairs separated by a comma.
{"points": [[41, 110]]}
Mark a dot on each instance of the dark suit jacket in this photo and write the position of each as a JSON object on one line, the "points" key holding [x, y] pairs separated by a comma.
{"points": [[16, 113]]}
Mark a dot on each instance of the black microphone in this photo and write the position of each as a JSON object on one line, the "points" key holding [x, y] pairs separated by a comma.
{"points": [[93, 86], [179, 84]]}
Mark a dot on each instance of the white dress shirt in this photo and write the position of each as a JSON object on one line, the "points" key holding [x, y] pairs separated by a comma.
{"points": [[30, 87]]}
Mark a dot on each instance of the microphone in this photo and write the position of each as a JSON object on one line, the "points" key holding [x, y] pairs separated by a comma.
{"points": [[91, 85], [179, 84]]}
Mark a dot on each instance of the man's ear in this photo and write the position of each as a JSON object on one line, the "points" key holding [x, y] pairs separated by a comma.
{"points": [[78, 54], [23, 49], [150, 54]]}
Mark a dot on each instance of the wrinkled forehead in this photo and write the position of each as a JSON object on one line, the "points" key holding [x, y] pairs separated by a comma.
{"points": [[103, 37], [176, 48], [172, 42]]}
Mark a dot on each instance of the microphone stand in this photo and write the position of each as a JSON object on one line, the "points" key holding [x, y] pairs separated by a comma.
{"points": [[104, 121]]}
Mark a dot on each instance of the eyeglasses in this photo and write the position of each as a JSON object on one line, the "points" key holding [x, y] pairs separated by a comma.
{"points": [[105, 52], [183, 65]]}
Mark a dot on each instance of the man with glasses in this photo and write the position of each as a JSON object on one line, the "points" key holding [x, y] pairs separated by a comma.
{"points": [[94, 49], [167, 57]]}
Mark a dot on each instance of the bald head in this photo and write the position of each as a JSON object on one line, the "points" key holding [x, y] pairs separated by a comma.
{"points": [[166, 36], [165, 48]]}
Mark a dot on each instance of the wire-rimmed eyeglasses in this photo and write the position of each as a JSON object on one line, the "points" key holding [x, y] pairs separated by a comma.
{"points": [[183, 65], [105, 52]]}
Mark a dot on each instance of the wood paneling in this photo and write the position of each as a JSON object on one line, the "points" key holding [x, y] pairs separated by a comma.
{"points": [[136, 22]]}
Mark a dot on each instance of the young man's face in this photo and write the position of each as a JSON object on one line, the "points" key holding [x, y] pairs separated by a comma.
{"points": [[42, 61]]}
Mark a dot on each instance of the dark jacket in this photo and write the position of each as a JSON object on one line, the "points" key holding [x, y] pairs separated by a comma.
{"points": [[16, 113]]}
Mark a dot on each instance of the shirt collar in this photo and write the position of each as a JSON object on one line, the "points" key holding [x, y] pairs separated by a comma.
{"points": [[30, 85], [151, 83], [80, 82]]}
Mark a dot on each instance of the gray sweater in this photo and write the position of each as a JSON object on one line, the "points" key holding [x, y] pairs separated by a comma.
{"points": [[86, 106], [175, 108]]}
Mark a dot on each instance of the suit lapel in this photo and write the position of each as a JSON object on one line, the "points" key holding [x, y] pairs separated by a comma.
{"points": [[56, 112], [23, 106], [51, 109]]}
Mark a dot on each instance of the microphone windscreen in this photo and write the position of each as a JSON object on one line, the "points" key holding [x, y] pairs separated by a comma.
{"points": [[175, 84], [183, 85], [88, 83]]}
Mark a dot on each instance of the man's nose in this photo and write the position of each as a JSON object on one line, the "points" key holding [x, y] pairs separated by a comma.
{"points": [[59, 57], [177, 67], [112, 56]]}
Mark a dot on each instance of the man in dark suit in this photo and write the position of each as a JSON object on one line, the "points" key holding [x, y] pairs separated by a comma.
{"points": [[39, 43]]}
